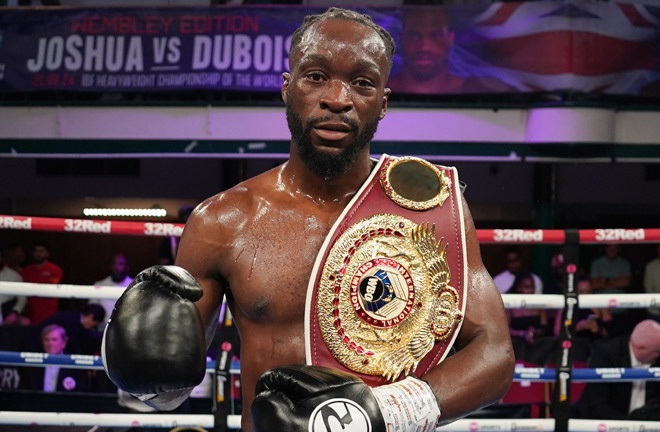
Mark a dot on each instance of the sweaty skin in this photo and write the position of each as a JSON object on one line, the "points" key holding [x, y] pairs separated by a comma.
{"points": [[257, 242]]}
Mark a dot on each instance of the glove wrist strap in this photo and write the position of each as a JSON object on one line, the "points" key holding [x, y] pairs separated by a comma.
{"points": [[408, 406]]}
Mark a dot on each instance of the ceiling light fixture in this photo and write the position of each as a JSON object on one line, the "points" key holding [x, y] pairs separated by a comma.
{"points": [[126, 212]]}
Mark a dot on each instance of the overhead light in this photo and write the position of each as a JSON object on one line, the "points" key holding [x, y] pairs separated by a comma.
{"points": [[125, 212]]}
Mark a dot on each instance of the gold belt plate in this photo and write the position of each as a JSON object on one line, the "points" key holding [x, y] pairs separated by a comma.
{"points": [[384, 297], [414, 183]]}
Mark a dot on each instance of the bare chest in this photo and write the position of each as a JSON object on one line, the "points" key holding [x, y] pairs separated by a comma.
{"points": [[271, 264]]}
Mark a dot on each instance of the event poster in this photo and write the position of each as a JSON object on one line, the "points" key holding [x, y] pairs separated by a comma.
{"points": [[578, 45]]}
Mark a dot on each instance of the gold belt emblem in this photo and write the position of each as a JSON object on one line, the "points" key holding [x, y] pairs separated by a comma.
{"points": [[384, 297], [414, 183]]}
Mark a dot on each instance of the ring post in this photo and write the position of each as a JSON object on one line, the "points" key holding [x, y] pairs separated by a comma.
{"points": [[561, 401]]}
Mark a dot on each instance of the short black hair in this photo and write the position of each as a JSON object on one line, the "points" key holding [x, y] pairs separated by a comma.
{"points": [[515, 286], [440, 13], [8, 248], [96, 310], [345, 14], [41, 243]]}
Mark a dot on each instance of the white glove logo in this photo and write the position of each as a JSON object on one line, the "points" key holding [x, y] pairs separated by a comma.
{"points": [[339, 415]]}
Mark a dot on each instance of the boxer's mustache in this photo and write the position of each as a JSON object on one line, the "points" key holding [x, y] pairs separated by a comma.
{"points": [[352, 123]]}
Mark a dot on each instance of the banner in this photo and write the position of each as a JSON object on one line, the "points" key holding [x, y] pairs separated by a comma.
{"points": [[576, 45], [145, 49], [579, 45]]}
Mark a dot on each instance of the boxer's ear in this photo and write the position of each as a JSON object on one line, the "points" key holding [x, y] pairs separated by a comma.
{"points": [[383, 109], [285, 85]]}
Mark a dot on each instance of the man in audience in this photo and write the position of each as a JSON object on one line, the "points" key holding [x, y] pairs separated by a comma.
{"points": [[625, 400], [41, 271], [82, 328], [12, 305], [54, 378], [652, 282], [505, 279], [610, 274], [118, 277]]}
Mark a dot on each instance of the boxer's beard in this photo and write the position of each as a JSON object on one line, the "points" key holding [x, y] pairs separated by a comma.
{"points": [[427, 74], [327, 165]]}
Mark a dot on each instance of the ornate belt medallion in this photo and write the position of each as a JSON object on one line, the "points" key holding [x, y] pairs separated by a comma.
{"points": [[414, 183], [384, 297]]}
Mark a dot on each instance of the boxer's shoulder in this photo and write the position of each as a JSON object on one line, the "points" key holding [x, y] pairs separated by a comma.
{"points": [[230, 205]]}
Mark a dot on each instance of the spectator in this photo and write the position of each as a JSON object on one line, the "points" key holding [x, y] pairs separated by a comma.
{"points": [[505, 279], [118, 277], [82, 328], [555, 285], [652, 282], [12, 306], [54, 378], [590, 324], [610, 273], [625, 400], [41, 271], [526, 324]]}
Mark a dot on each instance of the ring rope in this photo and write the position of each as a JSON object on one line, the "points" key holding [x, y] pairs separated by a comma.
{"points": [[233, 422], [60, 290], [13, 358], [83, 361], [161, 229], [587, 301], [37, 418], [92, 226], [511, 301]]}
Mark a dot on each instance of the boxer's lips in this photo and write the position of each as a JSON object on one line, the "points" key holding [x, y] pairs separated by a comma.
{"points": [[332, 131], [424, 61]]}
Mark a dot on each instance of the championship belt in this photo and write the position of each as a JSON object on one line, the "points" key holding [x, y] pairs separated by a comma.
{"points": [[387, 294]]}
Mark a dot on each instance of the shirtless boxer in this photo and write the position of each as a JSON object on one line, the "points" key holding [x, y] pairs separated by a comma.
{"points": [[257, 242]]}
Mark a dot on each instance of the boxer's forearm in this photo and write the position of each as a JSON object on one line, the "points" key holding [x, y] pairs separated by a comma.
{"points": [[481, 371], [476, 376]]}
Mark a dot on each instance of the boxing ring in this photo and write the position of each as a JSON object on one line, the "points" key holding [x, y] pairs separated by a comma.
{"points": [[562, 376]]}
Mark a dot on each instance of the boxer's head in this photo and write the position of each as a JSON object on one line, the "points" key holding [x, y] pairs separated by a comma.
{"points": [[426, 41], [335, 93], [333, 13]]}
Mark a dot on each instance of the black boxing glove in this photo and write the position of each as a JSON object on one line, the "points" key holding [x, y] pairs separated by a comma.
{"points": [[154, 345], [311, 398]]}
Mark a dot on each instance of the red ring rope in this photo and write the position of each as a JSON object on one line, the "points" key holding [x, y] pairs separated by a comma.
{"points": [[161, 229]]}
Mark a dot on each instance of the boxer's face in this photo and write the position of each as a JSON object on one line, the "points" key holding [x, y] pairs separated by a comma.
{"points": [[335, 94], [426, 43]]}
